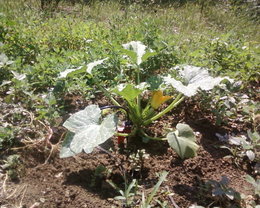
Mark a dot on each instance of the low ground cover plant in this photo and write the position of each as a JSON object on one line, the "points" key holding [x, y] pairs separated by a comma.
{"points": [[255, 183], [244, 147]]}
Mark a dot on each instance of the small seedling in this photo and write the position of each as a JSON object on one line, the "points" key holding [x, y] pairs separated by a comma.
{"points": [[130, 193], [146, 202], [221, 191], [242, 146], [11, 166], [137, 160], [127, 195], [255, 183], [100, 172]]}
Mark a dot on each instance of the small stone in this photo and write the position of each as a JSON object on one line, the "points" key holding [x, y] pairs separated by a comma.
{"points": [[35, 205], [58, 175], [42, 200], [67, 193]]}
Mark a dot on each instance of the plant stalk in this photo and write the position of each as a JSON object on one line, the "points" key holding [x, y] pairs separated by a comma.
{"points": [[133, 132], [152, 138], [174, 103], [106, 92], [138, 97], [122, 134]]}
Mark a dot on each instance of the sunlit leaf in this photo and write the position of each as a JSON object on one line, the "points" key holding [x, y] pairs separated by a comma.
{"points": [[254, 136], [250, 179], [183, 141], [138, 48], [18, 76], [196, 206], [250, 154], [148, 55], [237, 140], [128, 92], [90, 115], [88, 131], [65, 73], [195, 78], [80, 69], [66, 150], [91, 65], [4, 60]]}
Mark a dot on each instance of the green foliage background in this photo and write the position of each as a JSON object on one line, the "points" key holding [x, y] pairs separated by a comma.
{"points": [[42, 42]]}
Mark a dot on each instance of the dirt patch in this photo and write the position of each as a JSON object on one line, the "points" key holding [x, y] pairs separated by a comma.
{"points": [[75, 183], [69, 182]]}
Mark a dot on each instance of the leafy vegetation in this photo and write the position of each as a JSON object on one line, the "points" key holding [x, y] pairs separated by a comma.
{"points": [[221, 190], [84, 123], [148, 61], [132, 190], [255, 183]]}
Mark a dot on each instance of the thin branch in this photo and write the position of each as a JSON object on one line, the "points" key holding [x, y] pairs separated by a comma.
{"points": [[4, 183], [23, 196], [171, 199]]}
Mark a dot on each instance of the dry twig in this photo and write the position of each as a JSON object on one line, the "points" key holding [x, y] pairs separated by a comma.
{"points": [[171, 199]]}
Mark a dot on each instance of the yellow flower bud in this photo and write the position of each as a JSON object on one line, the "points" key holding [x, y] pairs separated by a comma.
{"points": [[158, 99]]}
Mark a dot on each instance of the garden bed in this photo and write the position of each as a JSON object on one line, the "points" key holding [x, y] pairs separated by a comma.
{"points": [[74, 182]]}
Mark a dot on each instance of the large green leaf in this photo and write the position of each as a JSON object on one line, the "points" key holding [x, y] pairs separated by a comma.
{"points": [[148, 54], [18, 76], [67, 72], [138, 48], [81, 69], [254, 137], [91, 65], [154, 82], [90, 115], [131, 54], [128, 92], [183, 141], [195, 78], [65, 150], [88, 131], [137, 51], [4, 60]]}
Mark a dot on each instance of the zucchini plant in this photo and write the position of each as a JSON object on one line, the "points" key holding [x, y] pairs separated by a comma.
{"points": [[87, 128]]}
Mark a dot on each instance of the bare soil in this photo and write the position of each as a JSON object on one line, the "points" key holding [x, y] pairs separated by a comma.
{"points": [[74, 183]]}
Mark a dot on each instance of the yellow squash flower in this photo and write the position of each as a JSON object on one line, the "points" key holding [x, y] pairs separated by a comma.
{"points": [[158, 99]]}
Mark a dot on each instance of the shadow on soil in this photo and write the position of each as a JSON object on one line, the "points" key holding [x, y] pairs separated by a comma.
{"points": [[209, 140], [188, 192], [96, 184], [158, 148]]}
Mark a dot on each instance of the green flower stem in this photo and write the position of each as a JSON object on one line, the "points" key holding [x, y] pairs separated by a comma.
{"points": [[106, 92], [174, 103], [138, 76], [133, 113], [122, 134], [138, 97], [152, 138], [133, 132], [150, 113]]}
